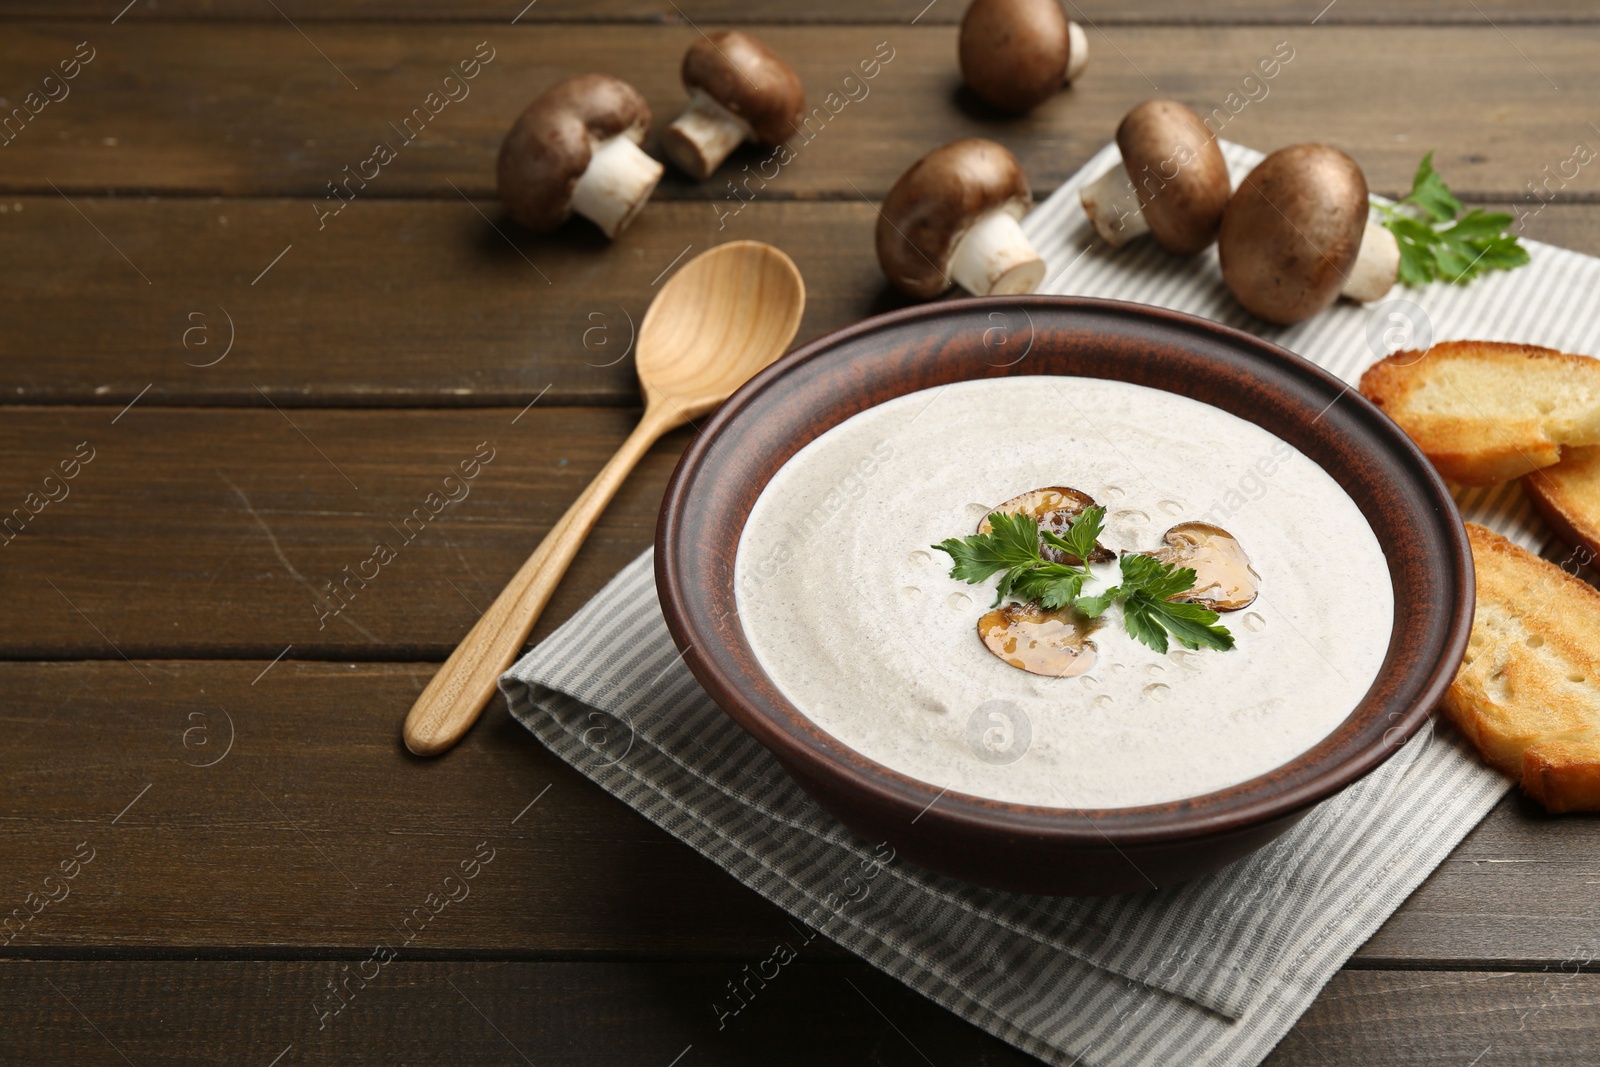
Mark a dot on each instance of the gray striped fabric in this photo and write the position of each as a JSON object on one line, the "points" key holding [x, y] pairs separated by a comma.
{"points": [[1215, 971]]}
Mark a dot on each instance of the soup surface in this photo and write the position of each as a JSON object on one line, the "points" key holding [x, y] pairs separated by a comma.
{"points": [[856, 618]]}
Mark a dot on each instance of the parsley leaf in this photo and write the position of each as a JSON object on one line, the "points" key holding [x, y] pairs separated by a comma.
{"points": [[1429, 192], [1005, 547], [1053, 585], [1149, 614], [1194, 625], [1082, 534], [1438, 243], [1012, 546], [1416, 239]]}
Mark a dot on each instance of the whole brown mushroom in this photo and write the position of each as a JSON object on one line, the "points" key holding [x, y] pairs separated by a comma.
{"points": [[1295, 235], [1015, 54], [739, 90], [576, 148], [953, 217], [1172, 183]]}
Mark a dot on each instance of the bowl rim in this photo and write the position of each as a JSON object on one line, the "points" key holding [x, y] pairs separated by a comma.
{"points": [[806, 750]]}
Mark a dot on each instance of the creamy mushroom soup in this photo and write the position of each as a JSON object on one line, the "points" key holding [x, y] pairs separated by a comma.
{"points": [[856, 618]]}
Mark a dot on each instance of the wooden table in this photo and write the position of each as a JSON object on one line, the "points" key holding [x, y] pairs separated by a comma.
{"points": [[267, 390]]}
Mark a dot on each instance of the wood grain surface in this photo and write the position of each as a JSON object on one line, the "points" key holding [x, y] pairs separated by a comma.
{"points": [[1095, 13], [588, 1013], [214, 532], [208, 109], [181, 700], [449, 314]]}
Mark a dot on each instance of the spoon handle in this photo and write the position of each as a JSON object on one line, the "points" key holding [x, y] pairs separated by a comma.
{"points": [[457, 694]]}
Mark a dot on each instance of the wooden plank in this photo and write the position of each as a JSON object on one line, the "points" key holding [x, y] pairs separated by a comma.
{"points": [[550, 1014], [1519, 887], [200, 108], [449, 314], [314, 832], [223, 533], [1400, 1019], [402, 303], [598, 1014], [757, 12]]}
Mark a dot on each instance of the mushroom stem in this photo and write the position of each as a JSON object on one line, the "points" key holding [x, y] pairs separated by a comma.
{"points": [[704, 135], [994, 257], [619, 180], [1112, 204], [1376, 268], [1077, 52]]}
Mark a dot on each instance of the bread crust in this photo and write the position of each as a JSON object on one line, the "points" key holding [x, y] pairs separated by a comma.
{"points": [[1567, 495], [1528, 692], [1485, 412]]}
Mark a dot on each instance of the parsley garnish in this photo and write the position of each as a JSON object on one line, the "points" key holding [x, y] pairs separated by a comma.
{"points": [[1011, 549], [1150, 614], [1438, 242]]}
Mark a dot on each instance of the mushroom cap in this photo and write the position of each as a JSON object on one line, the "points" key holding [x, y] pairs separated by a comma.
{"points": [[1034, 639], [933, 203], [742, 74], [548, 148], [1177, 169], [1014, 52], [1224, 579], [1292, 230]]}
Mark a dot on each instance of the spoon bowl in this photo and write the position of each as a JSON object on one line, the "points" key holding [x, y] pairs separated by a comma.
{"points": [[726, 314]]}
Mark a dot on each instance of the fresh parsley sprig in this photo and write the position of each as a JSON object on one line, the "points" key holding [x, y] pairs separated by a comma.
{"points": [[1012, 550], [1438, 242], [1150, 614]]}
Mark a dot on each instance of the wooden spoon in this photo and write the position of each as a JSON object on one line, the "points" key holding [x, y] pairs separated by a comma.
{"points": [[726, 314]]}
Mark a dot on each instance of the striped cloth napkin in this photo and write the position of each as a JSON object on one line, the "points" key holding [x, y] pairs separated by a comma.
{"points": [[1214, 971]]}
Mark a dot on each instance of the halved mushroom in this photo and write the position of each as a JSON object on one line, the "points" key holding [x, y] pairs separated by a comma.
{"points": [[1295, 234], [1224, 579], [1173, 182], [1052, 643], [739, 90], [576, 148], [953, 217], [1016, 53], [1054, 508]]}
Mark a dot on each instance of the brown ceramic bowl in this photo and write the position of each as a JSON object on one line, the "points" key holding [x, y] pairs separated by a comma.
{"points": [[1055, 850]]}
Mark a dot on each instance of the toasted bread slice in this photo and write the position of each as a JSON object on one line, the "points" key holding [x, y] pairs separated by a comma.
{"points": [[1528, 693], [1568, 496], [1563, 774], [1486, 412]]}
